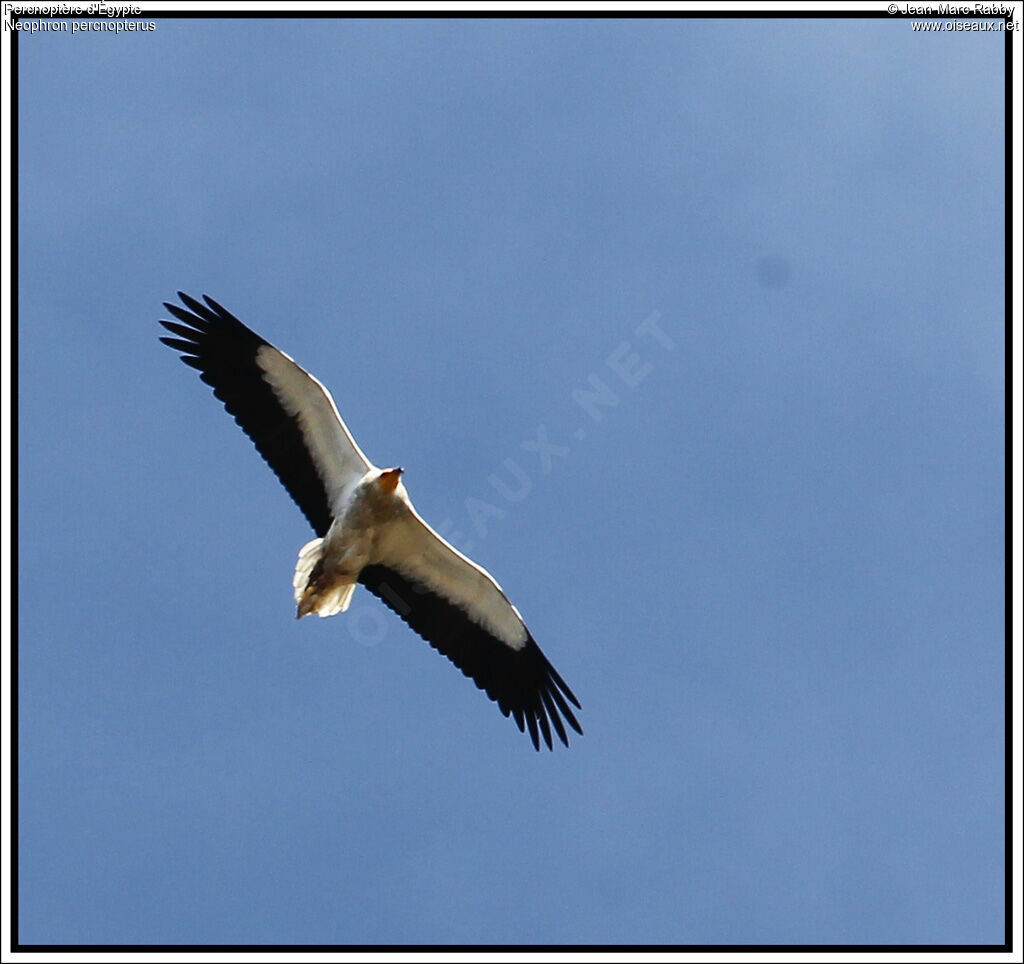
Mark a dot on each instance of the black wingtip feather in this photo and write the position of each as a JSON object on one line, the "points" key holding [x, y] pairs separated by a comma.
{"points": [[179, 344], [217, 307], [531, 722], [542, 719], [556, 721]]}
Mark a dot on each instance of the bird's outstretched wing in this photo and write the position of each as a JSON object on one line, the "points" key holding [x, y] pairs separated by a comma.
{"points": [[286, 412], [459, 609]]}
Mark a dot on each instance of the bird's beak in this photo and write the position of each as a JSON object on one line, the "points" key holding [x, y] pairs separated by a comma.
{"points": [[389, 480]]}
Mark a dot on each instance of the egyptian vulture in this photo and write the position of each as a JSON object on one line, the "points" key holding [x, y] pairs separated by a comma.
{"points": [[367, 530]]}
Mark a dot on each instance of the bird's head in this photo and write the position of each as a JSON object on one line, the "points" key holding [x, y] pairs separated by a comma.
{"points": [[388, 479]]}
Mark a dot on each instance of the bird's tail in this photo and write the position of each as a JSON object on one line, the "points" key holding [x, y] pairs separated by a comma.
{"points": [[315, 590]]}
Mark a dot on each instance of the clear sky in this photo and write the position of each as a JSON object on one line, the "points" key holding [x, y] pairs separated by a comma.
{"points": [[691, 332]]}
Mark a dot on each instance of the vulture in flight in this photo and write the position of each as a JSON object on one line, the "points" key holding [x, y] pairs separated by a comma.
{"points": [[367, 530]]}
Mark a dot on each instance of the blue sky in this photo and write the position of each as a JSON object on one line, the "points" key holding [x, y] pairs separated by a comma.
{"points": [[769, 562]]}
